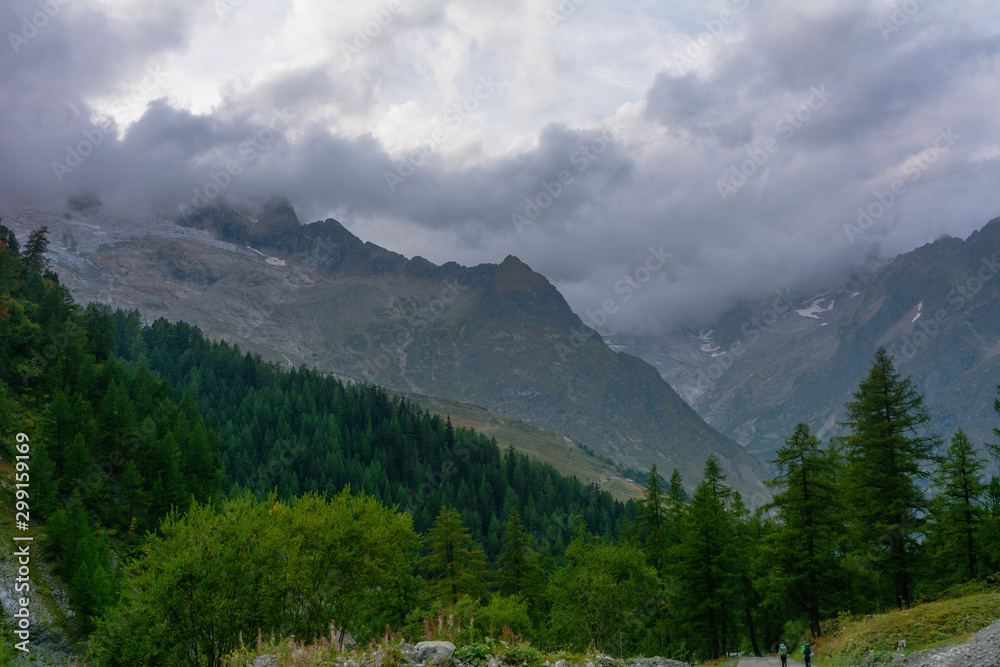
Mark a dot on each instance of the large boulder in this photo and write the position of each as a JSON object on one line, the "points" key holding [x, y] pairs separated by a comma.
{"points": [[435, 653]]}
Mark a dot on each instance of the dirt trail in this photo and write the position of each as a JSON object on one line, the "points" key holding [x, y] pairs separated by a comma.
{"points": [[767, 662]]}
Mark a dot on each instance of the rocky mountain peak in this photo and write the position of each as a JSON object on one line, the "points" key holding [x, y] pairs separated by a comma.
{"points": [[513, 274]]}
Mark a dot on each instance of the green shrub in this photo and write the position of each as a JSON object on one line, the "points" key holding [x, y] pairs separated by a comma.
{"points": [[518, 653], [475, 654], [509, 611]]}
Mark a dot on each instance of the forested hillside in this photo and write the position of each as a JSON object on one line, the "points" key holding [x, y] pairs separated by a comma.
{"points": [[298, 431]]}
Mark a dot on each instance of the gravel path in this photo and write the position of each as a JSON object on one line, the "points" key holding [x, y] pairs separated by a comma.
{"points": [[983, 650], [767, 662]]}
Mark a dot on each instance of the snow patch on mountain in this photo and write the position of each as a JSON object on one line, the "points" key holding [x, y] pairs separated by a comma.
{"points": [[815, 308]]}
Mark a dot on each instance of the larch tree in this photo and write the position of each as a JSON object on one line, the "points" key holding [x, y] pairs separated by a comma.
{"points": [[961, 490], [455, 563], [887, 455], [804, 543], [706, 578], [653, 521], [514, 565]]}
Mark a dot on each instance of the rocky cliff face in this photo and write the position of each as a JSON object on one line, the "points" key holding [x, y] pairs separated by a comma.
{"points": [[793, 357], [498, 336]]}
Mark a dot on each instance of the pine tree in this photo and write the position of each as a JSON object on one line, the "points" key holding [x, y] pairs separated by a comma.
{"points": [[169, 490], [653, 521], [90, 586], [33, 255], [748, 531], [514, 566], [677, 502], [886, 456], [78, 465], [455, 563], [800, 550], [9, 239], [961, 490], [134, 498], [117, 416], [706, 564]]}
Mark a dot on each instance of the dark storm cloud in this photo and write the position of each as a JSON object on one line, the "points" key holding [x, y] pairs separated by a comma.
{"points": [[842, 105], [701, 107]]}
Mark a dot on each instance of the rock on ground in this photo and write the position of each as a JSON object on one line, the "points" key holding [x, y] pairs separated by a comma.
{"points": [[656, 662], [435, 653]]}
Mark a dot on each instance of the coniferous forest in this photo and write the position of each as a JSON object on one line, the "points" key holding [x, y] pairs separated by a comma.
{"points": [[191, 496]]}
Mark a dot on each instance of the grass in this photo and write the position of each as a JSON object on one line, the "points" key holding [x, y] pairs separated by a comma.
{"points": [[545, 446], [947, 621]]}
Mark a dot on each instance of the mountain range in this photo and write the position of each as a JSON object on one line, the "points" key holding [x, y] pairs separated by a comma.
{"points": [[497, 336], [767, 364]]}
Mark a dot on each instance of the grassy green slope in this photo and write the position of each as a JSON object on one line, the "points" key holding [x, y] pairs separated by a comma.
{"points": [[949, 621], [562, 453]]}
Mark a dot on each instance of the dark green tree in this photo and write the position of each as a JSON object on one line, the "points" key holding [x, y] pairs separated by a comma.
{"points": [[802, 549], [9, 239], [455, 563], [514, 566], [706, 566], [653, 521], [887, 454], [134, 500], [961, 491], [33, 256]]}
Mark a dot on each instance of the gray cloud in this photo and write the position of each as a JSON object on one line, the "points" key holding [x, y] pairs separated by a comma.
{"points": [[653, 182]]}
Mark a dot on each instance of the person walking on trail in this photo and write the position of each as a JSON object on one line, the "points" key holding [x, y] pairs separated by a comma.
{"points": [[807, 653], [783, 654]]}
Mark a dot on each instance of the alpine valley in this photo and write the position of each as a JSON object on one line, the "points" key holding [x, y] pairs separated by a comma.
{"points": [[497, 336]]}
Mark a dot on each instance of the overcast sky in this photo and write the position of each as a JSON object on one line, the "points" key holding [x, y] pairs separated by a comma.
{"points": [[739, 135]]}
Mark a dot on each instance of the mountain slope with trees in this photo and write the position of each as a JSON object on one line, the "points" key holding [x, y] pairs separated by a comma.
{"points": [[187, 492], [498, 336]]}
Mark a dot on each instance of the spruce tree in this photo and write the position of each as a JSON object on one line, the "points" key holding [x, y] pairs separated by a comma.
{"points": [[961, 490], [653, 521], [707, 565], [455, 563], [33, 256], [801, 549], [887, 455], [677, 502], [514, 563], [77, 466], [9, 239], [134, 500]]}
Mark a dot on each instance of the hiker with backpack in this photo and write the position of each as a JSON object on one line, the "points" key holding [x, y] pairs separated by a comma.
{"points": [[807, 653], [783, 654]]}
